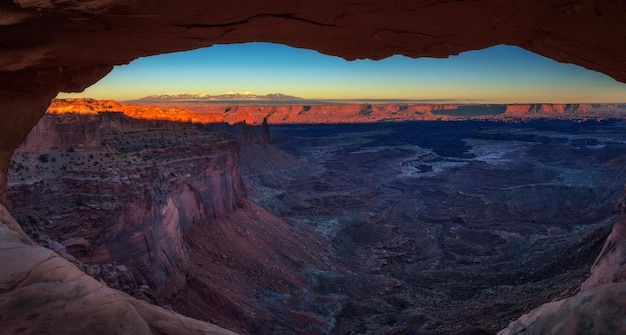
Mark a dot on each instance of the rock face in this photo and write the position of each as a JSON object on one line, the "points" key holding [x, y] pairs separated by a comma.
{"points": [[610, 266], [171, 226], [43, 293], [132, 213], [288, 113], [601, 310], [76, 131]]}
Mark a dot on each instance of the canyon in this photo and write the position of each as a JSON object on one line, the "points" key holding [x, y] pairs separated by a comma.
{"points": [[433, 227], [170, 226]]}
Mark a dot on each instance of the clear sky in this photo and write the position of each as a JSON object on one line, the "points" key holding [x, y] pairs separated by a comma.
{"points": [[500, 74]]}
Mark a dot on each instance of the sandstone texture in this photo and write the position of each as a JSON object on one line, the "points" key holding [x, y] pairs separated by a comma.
{"points": [[601, 310], [131, 206], [43, 293], [610, 266]]}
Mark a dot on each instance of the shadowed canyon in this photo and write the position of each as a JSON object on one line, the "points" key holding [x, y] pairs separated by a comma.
{"points": [[414, 227], [399, 228]]}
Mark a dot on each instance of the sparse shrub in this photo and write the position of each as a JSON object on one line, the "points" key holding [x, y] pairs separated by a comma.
{"points": [[53, 159], [70, 149], [43, 158]]}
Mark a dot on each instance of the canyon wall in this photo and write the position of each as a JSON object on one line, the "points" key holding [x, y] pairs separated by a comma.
{"points": [[45, 294], [130, 214], [159, 210], [62, 132], [323, 112]]}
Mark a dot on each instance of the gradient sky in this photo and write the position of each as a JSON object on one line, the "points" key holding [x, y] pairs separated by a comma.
{"points": [[500, 74]]}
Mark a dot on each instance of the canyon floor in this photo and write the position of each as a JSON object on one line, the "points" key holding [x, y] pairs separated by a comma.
{"points": [[386, 228], [445, 225]]}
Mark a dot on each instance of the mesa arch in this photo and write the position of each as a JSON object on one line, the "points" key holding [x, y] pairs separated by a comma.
{"points": [[51, 46]]}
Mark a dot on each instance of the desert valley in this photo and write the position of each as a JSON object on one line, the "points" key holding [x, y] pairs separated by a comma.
{"points": [[296, 217]]}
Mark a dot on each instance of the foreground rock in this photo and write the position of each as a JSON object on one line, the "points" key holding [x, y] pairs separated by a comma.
{"points": [[42, 293], [601, 306], [601, 310], [610, 266]]}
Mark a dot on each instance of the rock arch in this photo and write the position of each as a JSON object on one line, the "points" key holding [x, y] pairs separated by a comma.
{"points": [[51, 46]]}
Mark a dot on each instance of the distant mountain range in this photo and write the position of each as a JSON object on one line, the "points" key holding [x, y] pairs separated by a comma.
{"points": [[222, 97]]}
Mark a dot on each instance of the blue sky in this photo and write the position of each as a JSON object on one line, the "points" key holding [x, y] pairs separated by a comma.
{"points": [[500, 74]]}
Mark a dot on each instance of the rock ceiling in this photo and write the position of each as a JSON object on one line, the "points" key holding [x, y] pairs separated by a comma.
{"points": [[47, 46], [75, 42]]}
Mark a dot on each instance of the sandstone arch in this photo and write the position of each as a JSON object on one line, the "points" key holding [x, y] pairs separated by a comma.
{"points": [[50, 46]]}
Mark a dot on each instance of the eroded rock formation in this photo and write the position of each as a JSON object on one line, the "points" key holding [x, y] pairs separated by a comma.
{"points": [[131, 207], [159, 210], [296, 113], [43, 293]]}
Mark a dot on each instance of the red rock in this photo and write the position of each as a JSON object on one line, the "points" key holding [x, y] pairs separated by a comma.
{"points": [[43, 293], [610, 265], [48, 47], [601, 310], [321, 113]]}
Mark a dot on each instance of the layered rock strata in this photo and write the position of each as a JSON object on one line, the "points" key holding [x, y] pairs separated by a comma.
{"points": [[131, 207], [319, 112], [170, 226]]}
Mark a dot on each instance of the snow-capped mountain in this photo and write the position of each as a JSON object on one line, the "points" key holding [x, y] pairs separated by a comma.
{"points": [[227, 96]]}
